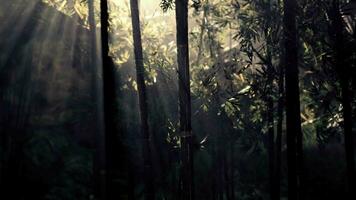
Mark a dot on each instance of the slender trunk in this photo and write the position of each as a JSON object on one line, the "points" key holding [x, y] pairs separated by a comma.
{"points": [[280, 119], [92, 42], [349, 148], [270, 108], [228, 169], [131, 184], [110, 107], [294, 132], [99, 155], [201, 36], [140, 73], [184, 100], [220, 162], [4, 137], [271, 151], [342, 67], [280, 114], [270, 115], [220, 176], [225, 173], [232, 170], [215, 171]]}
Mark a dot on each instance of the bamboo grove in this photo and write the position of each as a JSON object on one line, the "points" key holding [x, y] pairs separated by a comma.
{"points": [[177, 99]]}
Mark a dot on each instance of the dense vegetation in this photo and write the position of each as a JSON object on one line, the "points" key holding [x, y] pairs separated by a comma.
{"points": [[177, 99]]}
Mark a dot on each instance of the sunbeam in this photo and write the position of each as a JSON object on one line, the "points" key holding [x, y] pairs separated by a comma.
{"points": [[177, 99]]}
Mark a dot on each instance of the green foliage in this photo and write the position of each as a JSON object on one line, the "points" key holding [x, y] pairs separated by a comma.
{"points": [[236, 55], [57, 162], [169, 4], [166, 4]]}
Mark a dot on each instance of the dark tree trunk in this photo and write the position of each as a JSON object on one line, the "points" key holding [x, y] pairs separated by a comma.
{"points": [[92, 42], [184, 99], [219, 168], [271, 151], [280, 115], [294, 132], [232, 170], [226, 172], [270, 115], [140, 73], [215, 175], [228, 168], [131, 184], [342, 68], [110, 109], [280, 119], [99, 156], [349, 148]]}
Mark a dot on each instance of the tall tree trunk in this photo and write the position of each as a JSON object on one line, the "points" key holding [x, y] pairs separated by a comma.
{"points": [[271, 151], [349, 140], [184, 99], [294, 132], [226, 172], [270, 113], [99, 156], [131, 182], [219, 168], [110, 107], [232, 170], [201, 34], [342, 67], [140, 73], [280, 114], [214, 189], [280, 119]]}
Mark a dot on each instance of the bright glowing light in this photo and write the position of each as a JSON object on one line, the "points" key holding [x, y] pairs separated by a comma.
{"points": [[148, 8]]}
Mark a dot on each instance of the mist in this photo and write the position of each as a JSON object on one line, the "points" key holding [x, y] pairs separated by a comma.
{"points": [[185, 99]]}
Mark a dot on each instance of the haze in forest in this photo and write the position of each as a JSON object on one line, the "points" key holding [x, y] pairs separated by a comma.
{"points": [[177, 100]]}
